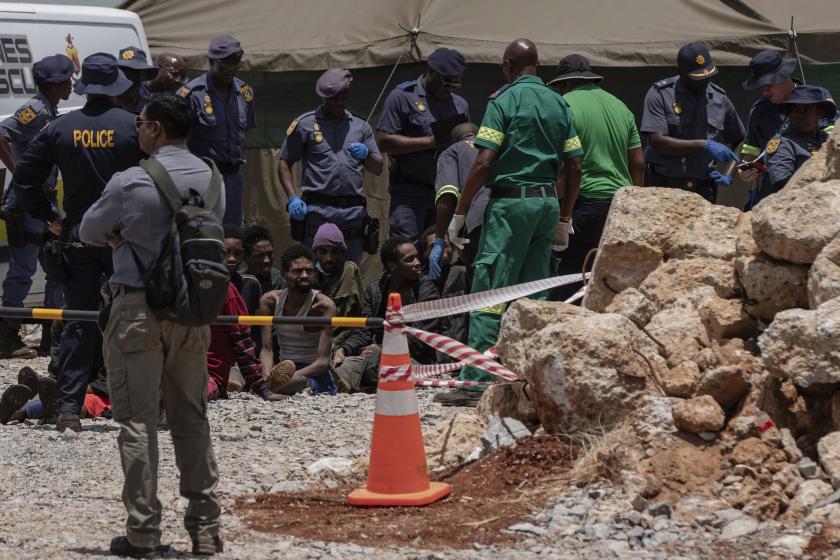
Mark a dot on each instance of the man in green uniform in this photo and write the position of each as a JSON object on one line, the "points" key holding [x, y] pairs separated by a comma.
{"points": [[529, 155]]}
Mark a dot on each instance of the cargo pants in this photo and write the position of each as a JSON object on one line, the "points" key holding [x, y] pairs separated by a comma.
{"points": [[141, 353], [515, 247]]}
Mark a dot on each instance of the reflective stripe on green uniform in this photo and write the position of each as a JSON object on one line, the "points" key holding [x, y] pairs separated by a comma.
{"points": [[530, 127]]}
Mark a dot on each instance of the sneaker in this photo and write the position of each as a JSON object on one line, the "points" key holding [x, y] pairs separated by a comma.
{"points": [[280, 375], [208, 546], [235, 382], [458, 397], [28, 377], [46, 392], [68, 420], [13, 398], [341, 383], [121, 547]]}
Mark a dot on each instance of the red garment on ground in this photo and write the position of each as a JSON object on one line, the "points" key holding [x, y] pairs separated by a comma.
{"points": [[96, 405], [221, 355]]}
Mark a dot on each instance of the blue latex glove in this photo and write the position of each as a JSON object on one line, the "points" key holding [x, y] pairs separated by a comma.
{"points": [[720, 152], [435, 258], [359, 151], [722, 180], [296, 208]]}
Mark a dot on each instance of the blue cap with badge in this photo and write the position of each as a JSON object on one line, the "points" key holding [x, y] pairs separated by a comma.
{"points": [[223, 46], [53, 69], [102, 76], [769, 68], [694, 61], [333, 82], [447, 62], [135, 59], [810, 95]]}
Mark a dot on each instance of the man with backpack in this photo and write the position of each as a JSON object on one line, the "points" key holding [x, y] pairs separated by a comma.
{"points": [[150, 341]]}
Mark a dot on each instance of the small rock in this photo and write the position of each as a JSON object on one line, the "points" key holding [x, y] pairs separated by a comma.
{"points": [[724, 516], [289, 486], [794, 545], [660, 509], [739, 528], [330, 467], [807, 468], [639, 504], [829, 451], [528, 528], [707, 436], [502, 432], [700, 414], [597, 531]]}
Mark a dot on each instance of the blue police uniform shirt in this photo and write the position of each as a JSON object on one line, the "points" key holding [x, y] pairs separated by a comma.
{"points": [[786, 152], [21, 128], [88, 146], [672, 110], [220, 127], [322, 145], [410, 112]]}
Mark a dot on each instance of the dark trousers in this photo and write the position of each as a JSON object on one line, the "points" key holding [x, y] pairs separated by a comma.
{"points": [[704, 187], [234, 197], [80, 353], [411, 214], [588, 219]]}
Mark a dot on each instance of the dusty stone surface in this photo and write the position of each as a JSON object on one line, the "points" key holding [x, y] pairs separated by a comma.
{"points": [[744, 243], [801, 345], [680, 334], [771, 286], [824, 275], [681, 381], [508, 401], [726, 384], [695, 280], [725, 318], [450, 442], [700, 414], [829, 450], [633, 304], [583, 369]]}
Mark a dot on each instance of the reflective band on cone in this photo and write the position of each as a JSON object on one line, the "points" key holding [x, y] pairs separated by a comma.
{"points": [[398, 474]]}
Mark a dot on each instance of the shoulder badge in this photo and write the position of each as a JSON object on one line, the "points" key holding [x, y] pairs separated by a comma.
{"points": [[26, 115], [773, 145], [247, 93], [319, 137], [665, 83], [677, 108], [420, 105], [183, 91], [316, 127], [292, 127]]}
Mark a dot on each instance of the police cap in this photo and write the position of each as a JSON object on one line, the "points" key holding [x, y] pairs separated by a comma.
{"points": [[768, 68], [223, 46], [53, 69], [135, 59], [333, 82], [447, 62], [810, 95], [102, 76], [694, 61]]}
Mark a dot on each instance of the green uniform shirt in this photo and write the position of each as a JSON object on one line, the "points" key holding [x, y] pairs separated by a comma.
{"points": [[530, 127], [607, 129]]}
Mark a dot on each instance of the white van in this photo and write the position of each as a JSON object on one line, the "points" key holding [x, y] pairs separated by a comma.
{"points": [[29, 32]]}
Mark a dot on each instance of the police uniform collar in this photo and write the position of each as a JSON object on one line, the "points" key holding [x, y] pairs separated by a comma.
{"points": [[43, 99], [421, 88], [320, 114]]}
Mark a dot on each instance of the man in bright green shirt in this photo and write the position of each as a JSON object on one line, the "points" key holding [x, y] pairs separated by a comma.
{"points": [[612, 158], [529, 155]]}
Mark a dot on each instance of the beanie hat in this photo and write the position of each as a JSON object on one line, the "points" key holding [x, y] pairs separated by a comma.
{"points": [[328, 235]]}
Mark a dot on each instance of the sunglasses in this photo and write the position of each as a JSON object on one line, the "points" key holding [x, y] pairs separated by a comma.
{"points": [[138, 122]]}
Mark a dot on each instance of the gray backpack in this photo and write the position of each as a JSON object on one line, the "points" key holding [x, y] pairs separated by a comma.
{"points": [[188, 282]]}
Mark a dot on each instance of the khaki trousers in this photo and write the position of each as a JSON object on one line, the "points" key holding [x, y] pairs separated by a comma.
{"points": [[141, 354]]}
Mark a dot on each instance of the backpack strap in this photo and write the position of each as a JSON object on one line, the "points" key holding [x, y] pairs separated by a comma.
{"points": [[163, 181]]}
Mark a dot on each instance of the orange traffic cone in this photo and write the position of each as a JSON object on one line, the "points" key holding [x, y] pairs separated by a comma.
{"points": [[398, 474]]}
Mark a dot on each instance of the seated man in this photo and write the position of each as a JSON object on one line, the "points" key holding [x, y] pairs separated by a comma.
{"points": [[308, 348], [259, 258], [337, 278], [246, 284], [356, 360], [452, 282]]}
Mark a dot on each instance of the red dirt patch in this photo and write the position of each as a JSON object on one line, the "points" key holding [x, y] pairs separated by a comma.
{"points": [[488, 496]]}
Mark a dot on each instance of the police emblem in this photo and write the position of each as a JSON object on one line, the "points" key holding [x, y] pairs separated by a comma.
{"points": [[207, 99], [208, 109], [183, 91], [247, 93], [128, 54], [319, 137], [316, 126], [677, 108], [26, 115], [773, 145], [420, 106], [291, 128], [700, 59]]}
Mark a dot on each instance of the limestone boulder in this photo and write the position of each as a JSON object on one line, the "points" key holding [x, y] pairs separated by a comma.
{"points": [[726, 384], [649, 226], [725, 318], [694, 280], [700, 414], [829, 451], [804, 346], [771, 286], [794, 225], [450, 442], [633, 304], [680, 334], [744, 243], [583, 369], [681, 381], [824, 276], [508, 401]]}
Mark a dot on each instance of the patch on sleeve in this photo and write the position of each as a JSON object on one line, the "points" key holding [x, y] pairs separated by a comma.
{"points": [[292, 127], [492, 136], [773, 145], [571, 144], [247, 93], [183, 91], [26, 115]]}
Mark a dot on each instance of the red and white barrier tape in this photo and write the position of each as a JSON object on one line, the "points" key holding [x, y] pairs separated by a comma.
{"points": [[455, 383], [473, 302], [427, 371], [576, 296], [463, 353]]}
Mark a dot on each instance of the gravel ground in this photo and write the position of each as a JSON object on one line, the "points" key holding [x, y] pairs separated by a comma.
{"points": [[60, 493]]}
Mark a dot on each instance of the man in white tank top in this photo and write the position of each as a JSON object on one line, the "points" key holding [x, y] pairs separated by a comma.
{"points": [[307, 347]]}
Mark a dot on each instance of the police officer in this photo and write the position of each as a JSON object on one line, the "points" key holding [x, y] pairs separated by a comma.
{"points": [[689, 123], [528, 144], [136, 67], [772, 75], [405, 131], [803, 135], [88, 146], [172, 74], [224, 108], [334, 146], [24, 233]]}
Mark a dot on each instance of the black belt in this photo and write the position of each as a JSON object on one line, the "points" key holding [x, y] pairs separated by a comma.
{"points": [[656, 179], [349, 233], [516, 192], [335, 201], [228, 168], [122, 289]]}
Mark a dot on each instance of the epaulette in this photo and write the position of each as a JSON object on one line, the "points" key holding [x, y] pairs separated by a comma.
{"points": [[297, 121], [717, 88], [405, 86], [499, 91], [667, 82], [183, 91]]}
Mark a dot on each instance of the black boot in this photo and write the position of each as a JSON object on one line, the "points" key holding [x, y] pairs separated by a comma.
{"points": [[46, 339], [10, 344]]}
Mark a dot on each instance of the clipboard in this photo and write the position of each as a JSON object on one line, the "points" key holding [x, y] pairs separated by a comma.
{"points": [[442, 129]]}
